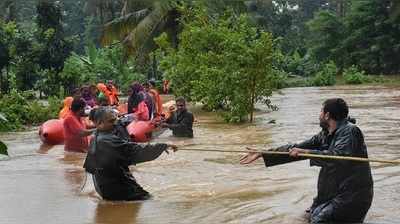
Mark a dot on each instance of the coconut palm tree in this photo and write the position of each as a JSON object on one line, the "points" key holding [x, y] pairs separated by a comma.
{"points": [[136, 30], [137, 27]]}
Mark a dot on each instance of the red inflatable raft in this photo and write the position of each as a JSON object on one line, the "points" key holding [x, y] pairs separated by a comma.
{"points": [[141, 131], [52, 132]]}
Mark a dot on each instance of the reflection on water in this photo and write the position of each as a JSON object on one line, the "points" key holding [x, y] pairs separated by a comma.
{"points": [[121, 213], [207, 187]]}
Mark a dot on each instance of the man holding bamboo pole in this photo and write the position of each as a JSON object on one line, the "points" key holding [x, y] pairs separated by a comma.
{"points": [[345, 188]]}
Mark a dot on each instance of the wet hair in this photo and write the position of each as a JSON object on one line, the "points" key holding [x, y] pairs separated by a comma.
{"points": [[146, 85], [136, 87], [100, 114], [152, 82], [76, 92], [77, 104], [180, 99], [337, 108]]}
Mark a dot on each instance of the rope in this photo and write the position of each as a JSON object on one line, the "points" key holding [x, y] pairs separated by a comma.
{"points": [[359, 159], [84, 183]]}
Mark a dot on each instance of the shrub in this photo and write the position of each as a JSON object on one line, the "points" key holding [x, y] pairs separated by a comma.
{"points": [[297, 65], [18, 111], [326, 77], [99, 65], [353, 75]]}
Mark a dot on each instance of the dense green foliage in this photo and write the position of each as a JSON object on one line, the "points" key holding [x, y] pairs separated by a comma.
{"points": [[366, 37], [19, 109], [223, 62], [325, 77], [36, 55], [98, 65], [353, 75]]}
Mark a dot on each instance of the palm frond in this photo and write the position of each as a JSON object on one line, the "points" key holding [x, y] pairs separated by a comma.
{"points": [[3, 149], [139, 38], [119, 28]]}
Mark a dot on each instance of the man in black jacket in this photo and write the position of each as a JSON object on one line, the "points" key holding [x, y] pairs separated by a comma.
{"points": [[345, 188], [180, 121], [110, 155]]}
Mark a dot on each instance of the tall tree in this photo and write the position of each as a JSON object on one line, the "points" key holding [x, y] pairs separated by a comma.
{"points": [[372, 38], [136, 30], [55, 47], [327, 33], [223, 62], [143, 21]]}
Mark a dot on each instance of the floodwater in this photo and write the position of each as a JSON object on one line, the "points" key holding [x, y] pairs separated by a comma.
{"points": [[209, 187]]}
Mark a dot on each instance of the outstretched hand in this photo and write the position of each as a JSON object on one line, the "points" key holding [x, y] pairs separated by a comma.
{"points": [[250, 157], [171, 146]]}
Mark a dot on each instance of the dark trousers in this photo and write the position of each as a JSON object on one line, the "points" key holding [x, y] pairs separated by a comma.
{"points": [[334, 212], [112, 192]]}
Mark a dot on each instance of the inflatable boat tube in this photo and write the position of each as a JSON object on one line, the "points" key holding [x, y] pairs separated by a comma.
{"points": [[52, 132], [140, 131]]}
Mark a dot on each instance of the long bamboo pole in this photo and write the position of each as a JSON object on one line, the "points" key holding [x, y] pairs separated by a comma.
{"points": [[359, 159], [223, 144]]}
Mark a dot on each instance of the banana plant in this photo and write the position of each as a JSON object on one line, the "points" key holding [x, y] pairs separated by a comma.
{"points": [[3, 147]]}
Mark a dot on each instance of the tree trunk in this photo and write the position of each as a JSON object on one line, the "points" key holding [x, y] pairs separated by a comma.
{"points": [[124, 10], [101, 12], [253, 98], [111, 7], [341, 8]]}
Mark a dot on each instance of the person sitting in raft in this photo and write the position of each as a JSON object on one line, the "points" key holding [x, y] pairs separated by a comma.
{"points": [[345, 188], [136, 104], [66, 110], [87, 96], [75, 132], [166, 86], [94, 92], [76, 93], [150, 87], [110, 156], [112, 93], [180, 121], [102, 100], [158, 100], [149, 100]]}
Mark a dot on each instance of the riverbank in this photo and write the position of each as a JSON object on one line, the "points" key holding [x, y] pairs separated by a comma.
{"points": [[386, 80]]}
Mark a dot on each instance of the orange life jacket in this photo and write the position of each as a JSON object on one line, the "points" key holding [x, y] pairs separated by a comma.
{"points": [[157, 101], [67, 108]]}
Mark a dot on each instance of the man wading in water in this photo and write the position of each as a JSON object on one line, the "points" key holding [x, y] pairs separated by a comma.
{"points": [[109, 156], [180, 121], [345, 188]]}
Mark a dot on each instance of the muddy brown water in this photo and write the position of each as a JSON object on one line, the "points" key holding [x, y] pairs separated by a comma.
{"points": [[207, 187]]}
